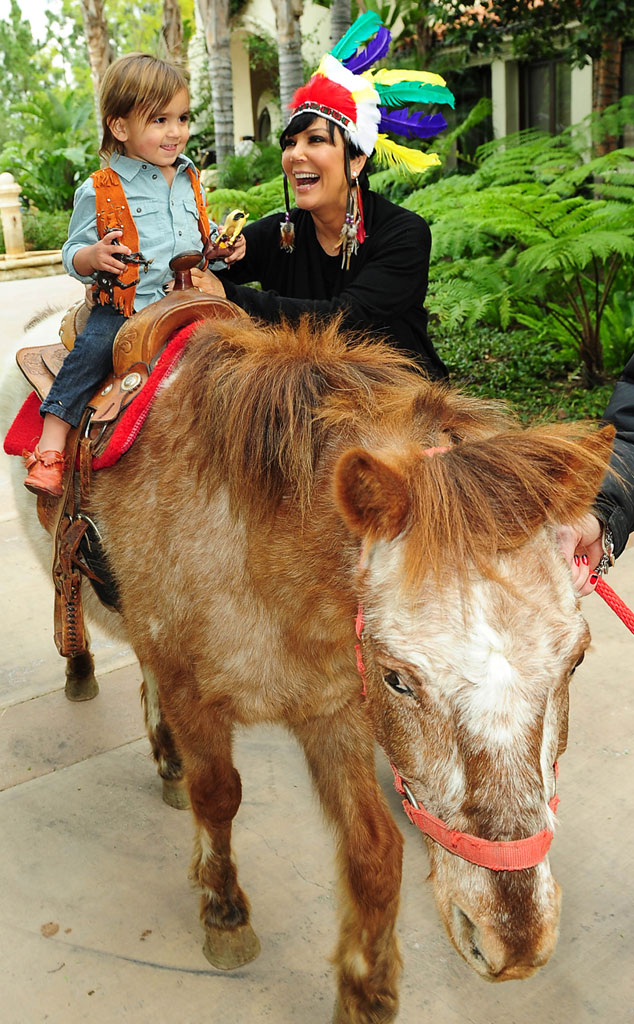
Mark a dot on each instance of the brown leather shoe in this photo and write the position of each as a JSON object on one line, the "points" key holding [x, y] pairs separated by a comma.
{"points": [[45, 472]]}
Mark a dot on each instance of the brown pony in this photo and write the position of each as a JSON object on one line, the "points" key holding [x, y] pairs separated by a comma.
{"points": [[283, 478]]}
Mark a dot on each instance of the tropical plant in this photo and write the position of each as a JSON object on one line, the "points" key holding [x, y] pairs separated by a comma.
{"points": [[526, 241], [215, 16], [257, 201], [567, 29], [245, 170], [56, 151], [100, 49], [289, 47]]}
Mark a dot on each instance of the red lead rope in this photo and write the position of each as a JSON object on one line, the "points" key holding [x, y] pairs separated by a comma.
{"points": [[514, 855], [612, 599]]}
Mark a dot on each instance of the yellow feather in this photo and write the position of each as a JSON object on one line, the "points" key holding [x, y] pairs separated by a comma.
{"points": [[385, 76], [402, 157]]}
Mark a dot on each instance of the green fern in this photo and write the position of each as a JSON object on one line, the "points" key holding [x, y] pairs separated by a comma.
{"points": [[534, 234]]}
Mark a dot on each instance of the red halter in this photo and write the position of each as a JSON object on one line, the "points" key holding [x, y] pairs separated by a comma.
{"points": [[514, 855]]}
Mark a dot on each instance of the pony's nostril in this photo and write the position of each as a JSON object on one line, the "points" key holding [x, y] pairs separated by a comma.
{"points": [[468, 937]]}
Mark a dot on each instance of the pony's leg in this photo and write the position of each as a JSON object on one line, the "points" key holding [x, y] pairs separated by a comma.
{"points": [[215, 793], [340, 754], [168, 761], [81, 683]]}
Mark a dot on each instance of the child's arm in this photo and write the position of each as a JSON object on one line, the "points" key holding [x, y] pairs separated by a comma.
{"points": [[100, 256]]}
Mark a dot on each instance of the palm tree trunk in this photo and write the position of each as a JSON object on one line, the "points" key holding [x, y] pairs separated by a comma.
{"points": [[172, 30], [215, 15], [340, 20], [289, 49], [100, 52], [606, 85]]}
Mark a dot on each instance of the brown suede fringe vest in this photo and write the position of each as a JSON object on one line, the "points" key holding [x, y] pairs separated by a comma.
{"points": [[113, 213]]}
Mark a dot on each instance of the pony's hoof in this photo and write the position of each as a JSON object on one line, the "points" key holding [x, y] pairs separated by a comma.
{"points": [[83, 688], [175, 794], [382, 1015], [227, 950]]}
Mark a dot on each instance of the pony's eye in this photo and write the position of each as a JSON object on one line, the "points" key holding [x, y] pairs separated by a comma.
{"points": [[576, 665], [395, 683]]}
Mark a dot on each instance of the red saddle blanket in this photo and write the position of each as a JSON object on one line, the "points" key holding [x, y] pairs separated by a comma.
{"points": [[25, 431]]}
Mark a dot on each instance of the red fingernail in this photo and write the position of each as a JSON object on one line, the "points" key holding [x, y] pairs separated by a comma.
{"points": [[576, 559], [593, 580], [584, 559]]}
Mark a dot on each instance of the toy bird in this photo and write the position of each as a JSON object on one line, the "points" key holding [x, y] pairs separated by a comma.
{"points": [[231, 228], [222, 243]]}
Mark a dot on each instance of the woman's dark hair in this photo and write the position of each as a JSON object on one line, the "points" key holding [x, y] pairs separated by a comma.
{"points": [[304, 120]]}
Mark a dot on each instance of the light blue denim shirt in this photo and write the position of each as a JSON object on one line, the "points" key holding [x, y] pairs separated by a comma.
{"points": [[166, 218]]}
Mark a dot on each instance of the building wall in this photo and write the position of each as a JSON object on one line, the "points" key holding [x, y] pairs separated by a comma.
{"points": [[505, 95], [259, 18]]}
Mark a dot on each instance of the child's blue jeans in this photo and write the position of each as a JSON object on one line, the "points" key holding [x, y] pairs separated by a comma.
{"points": [[85, 366]]}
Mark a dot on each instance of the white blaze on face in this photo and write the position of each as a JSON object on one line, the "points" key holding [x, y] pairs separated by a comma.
{"points": [[489, 668]]}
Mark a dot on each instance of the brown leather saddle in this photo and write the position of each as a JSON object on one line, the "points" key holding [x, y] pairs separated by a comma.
{"points": [[136, 348]]}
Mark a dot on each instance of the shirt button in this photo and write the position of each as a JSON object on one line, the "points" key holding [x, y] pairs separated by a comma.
{"points": [[144, 166], [180, 232], [155, 176], [139, 210]]}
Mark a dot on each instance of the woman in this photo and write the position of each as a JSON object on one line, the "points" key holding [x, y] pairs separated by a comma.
{"points": [[344, 249]]}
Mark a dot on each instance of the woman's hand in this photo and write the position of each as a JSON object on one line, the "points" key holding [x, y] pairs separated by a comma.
{"points": [[581, 546], [207, 282]]}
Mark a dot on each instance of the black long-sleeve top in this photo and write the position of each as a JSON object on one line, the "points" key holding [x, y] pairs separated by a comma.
{"points": [[615, 502], [383, 291]]}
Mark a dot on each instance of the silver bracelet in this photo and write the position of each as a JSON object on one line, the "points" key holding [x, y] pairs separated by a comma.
{"points": [[607, 558]]}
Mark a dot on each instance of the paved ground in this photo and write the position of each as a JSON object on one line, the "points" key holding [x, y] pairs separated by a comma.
{"points": [[97, 921]]}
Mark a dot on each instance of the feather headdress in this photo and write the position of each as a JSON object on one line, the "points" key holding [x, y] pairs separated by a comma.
{"points": [[367, 104]]}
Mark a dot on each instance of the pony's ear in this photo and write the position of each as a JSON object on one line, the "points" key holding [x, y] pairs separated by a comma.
{"points": [[372, 494], [581, 479]]}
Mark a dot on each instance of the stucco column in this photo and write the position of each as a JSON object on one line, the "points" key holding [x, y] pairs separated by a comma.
{"points": [[505, 97], [11, 214]]}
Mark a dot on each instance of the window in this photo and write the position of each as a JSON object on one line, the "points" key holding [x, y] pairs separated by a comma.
{"points": [[545, 96]]}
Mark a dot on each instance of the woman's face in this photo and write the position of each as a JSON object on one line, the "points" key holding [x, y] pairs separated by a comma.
{"points": [[314, 165]]}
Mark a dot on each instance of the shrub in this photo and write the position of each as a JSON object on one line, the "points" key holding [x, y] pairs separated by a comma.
{"points": [[530, 374], [43, 229]]}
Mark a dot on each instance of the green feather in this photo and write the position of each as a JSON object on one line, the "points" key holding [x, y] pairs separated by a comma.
{"points": [[404, 93], [366, 25]]}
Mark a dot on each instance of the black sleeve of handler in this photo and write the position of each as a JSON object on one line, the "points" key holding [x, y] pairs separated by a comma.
{"points": [[614, 505]]}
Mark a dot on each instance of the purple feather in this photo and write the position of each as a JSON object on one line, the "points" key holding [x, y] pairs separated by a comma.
{"points": [[375, 49], [414, 126]]}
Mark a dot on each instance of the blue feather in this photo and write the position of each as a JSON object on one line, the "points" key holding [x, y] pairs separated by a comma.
{"points": [[411, 126], [359, 32], [375, 49]]}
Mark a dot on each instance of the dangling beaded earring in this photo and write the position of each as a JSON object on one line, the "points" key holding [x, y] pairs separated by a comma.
{"points": [[287, 228], [349, 238]]}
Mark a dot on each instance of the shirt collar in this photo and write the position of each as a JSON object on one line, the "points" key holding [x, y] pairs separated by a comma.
{"points": [[128, 169]]}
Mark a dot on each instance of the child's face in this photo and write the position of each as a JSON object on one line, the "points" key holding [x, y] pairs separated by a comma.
{"points": [[159, 141]]}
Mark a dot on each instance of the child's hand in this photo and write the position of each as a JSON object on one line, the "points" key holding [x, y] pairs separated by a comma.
{"points": [[104, 253], [100, 256], [239, 251]]}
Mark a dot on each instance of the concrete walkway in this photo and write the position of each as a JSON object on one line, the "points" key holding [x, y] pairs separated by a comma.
{"points": [[97, 920]]}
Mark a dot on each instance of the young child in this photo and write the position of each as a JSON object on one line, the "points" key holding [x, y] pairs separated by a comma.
{"points": [[150, 200]]}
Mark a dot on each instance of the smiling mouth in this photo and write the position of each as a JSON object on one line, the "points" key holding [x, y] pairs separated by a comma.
{"points": [[305, 181]]}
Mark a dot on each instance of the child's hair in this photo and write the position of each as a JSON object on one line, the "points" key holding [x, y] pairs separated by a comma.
{"points": [[136, 82]]}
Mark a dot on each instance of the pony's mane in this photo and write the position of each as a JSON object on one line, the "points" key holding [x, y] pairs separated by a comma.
{"points": [[272, 398], [275, 401]]}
